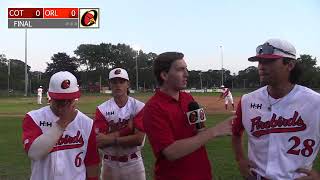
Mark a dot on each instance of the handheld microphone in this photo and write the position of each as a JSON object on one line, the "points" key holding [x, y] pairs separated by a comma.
{"points": [[196, 115]]}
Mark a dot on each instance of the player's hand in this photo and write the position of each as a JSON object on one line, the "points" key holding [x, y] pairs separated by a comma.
{"points": [[105, 140], [67, 114], [310, 174], [245, 167], [223, 128]]}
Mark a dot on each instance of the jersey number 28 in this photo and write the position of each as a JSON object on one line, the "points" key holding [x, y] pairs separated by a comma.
{"points": [[306, 151]]}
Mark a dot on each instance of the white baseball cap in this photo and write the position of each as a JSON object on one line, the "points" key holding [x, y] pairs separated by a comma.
{"points": [[118, 73], [222, 86], [63, 85], [274, 49]]}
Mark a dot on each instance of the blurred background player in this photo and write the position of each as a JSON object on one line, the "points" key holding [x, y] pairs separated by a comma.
{"points": [[281, 119], [39, 98], [48, 98], [227, 96], [59, 139], [117, 136]]}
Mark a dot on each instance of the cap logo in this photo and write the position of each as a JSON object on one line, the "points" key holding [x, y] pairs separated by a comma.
{"points": [[65, 84], [118, 71]]}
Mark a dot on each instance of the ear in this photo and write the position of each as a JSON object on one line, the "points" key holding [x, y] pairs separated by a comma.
{"points": [[164, 76], [291, 65]]}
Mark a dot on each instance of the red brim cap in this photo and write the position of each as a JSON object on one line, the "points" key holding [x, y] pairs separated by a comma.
{"points": [[62, 96], [264, 56]]}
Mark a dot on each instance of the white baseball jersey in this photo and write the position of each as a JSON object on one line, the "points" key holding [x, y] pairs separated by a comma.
{"points": [[40, 91], [282, 138], [75, 149], [226, 93], [109, 118]]}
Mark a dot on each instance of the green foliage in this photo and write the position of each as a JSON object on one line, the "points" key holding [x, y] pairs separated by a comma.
{"points": [[310, 76], [93, 63]]}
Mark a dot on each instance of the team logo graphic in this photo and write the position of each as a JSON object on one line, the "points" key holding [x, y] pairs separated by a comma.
{"points": [[196, 116], [118, 71], [89, 18], [65, 84], [202, 115], [193, 117]]}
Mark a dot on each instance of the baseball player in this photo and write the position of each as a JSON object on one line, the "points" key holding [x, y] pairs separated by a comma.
{"points": [[120, 142], [48, 98], [59, 139], [39, 98], [227, 96], [282, 119]]}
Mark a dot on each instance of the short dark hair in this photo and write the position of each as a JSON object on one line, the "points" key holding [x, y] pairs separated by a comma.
{"points": [[295, 73], [163, 63]]}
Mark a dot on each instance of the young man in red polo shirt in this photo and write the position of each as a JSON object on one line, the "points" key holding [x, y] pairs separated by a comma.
{"points": [[178, 147]]}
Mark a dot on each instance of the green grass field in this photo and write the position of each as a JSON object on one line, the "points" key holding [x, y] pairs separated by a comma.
{"points": [[15, 165]]}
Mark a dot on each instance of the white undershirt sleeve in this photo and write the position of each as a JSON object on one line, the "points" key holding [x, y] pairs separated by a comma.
{"points": [[43, 144]]}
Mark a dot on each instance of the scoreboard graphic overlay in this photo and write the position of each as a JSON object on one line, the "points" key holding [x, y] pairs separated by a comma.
{"points": [[22, 18]]}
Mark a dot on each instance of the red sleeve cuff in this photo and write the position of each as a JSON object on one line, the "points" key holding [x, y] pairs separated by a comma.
{"points": [[100, 123], [30, 132], [237, 126], [92, 155], [92, 178]]}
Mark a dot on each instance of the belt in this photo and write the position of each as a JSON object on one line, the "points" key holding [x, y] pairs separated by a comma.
{"points": [[124, 158], [258, 177]]}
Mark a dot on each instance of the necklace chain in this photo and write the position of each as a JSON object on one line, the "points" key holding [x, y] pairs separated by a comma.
{"points": [[270, 105]]}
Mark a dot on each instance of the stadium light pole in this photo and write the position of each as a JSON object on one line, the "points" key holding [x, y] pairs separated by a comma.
{"points": [[137, 48], [9, 77], [221, 51], [25, 65], [200, 80]]}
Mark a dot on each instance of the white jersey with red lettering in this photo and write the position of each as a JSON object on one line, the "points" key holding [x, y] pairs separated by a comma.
{"points": [[40, 91], [283, 134], [114, 119], [226, 93], [75, 149]]}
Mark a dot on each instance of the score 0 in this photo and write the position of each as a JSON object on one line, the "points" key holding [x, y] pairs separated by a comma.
{"points": [[25, 13]]}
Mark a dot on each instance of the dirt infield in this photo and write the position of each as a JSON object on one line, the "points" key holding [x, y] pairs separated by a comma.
{"points": [[213, 105]]}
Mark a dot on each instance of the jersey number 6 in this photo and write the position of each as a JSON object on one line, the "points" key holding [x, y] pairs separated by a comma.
{"points": [[306, 151], [78, 160]]}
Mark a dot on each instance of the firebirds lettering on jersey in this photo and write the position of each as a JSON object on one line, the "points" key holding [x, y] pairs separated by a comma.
{"points": [[115, 126], [69, 142], [277, 125]]}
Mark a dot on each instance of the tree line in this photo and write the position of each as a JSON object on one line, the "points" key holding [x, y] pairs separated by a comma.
{"points": [[92, 63]]}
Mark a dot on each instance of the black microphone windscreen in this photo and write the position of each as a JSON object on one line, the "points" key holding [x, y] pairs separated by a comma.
{"points": [[193, 106]]}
